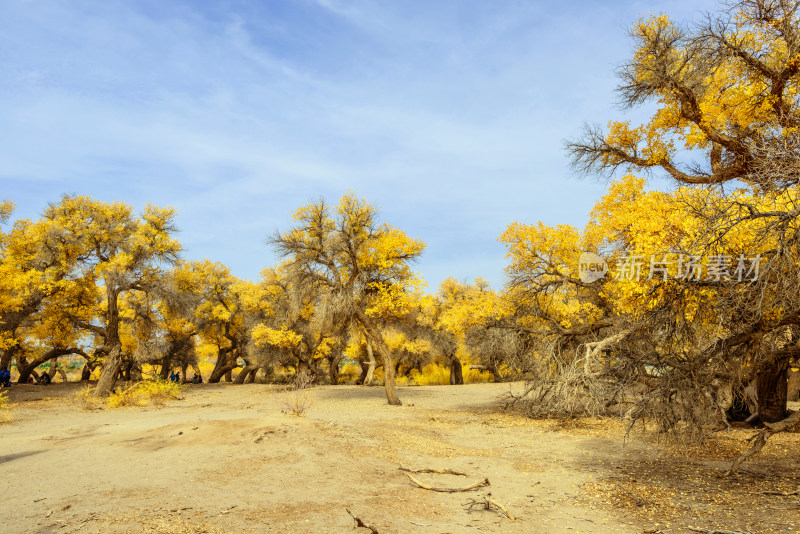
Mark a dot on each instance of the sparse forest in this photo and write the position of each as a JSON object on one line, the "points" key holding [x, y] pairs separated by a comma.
{"points": [[687, 331]]}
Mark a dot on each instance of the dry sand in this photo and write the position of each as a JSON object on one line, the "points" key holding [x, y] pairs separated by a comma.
{"points": [[226, 459]]}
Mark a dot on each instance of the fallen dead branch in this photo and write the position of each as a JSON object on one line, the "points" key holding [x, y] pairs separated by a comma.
{"points": [[782, 493], [361, 524], [436, 471], [717, 531], [484, 482], [487, 503], [761, 438]]}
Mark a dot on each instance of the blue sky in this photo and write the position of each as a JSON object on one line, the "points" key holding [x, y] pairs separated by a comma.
{"points": [[448, 115]]}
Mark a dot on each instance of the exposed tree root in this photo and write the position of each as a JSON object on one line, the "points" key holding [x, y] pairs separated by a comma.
{"points": [[761, 438], [487, 503], [717, 531], [361, 524], [437, 471], [484, 482]]}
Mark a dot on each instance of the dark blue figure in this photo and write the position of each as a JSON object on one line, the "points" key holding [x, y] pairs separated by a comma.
{"points": [[5, 377], [174, 377]]}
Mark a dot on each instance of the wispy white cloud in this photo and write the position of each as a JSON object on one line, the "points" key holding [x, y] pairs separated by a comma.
{"points": [[449, 115]]}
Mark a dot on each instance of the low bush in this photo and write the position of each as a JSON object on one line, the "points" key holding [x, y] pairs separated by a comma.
{"points": [[148, 392], [435, 374], [297, 399], [296, 402]]}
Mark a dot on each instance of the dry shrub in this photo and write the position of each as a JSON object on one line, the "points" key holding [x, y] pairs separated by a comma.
{"points": [[297, 399], [87, 400], [303, 380], [5, 407], [570, 393], [296, 402], [147, 392]]}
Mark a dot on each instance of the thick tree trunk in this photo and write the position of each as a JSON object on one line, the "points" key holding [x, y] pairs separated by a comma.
{"points": [[771, 385], [24, 368], [111, 367], [226, 362], [383, 351], [368, 375], [456, 373], [86, 373], [108, 377], [166, 368], [246, 372], [5, 358], [333, 369]]}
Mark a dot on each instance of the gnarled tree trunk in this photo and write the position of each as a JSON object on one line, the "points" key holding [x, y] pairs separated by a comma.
{"points": [[248, 371], [456, 372], [772, 388], [383, 351], [370, 369], [110, 370], [226, 362]]}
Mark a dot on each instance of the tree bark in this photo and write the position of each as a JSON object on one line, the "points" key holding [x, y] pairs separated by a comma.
{"points": [[383, 352], [5, 359], [772, 388], [86, 372], [456, 372], [333, 368], [367, 381], [166, 368], [247, 371], [108, 377], [226, 362]]}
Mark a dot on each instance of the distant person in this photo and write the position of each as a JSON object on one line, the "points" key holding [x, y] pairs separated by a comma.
{"points": [[174, 377], [44, 379], [197, 379], [5, 377]]}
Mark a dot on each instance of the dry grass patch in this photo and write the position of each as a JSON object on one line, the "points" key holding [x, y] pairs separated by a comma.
{"points": [[674, 492], [5, 407], [145, 393]]}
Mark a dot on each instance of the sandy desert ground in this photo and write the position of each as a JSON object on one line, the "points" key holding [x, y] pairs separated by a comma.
{"points": [[226, 459]]}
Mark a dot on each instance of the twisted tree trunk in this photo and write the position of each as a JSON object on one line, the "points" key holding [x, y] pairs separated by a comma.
{"points": [[383, 351], [772, 387], [370, 369]]}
